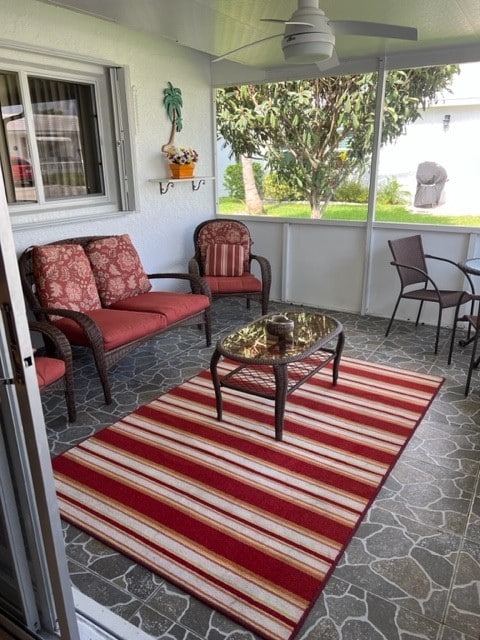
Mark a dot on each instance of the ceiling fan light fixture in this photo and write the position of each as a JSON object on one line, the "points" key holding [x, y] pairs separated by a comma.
{"points": [[308, 47]]}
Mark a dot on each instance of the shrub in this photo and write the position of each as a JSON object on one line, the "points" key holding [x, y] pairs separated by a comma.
{"points": [[392, 193], [279, 191], [351, 191]]}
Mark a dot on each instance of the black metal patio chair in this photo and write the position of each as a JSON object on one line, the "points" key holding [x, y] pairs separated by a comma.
{"points": [[410, 260]]}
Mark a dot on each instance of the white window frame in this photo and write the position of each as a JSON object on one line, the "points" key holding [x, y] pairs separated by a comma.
{"points": [[115, 136]]}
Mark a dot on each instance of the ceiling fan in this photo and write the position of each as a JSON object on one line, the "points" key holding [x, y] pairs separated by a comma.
{"points": [[309, 35]]}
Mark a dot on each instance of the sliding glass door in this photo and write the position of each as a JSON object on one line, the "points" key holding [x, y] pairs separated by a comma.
{"points": [[35, 593]]}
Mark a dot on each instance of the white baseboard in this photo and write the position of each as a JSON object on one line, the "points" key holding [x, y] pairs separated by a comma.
{"points": [[96, 622]]}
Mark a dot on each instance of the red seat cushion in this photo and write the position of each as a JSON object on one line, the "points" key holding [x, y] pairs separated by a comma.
{"points": [[172, 306], [241, 284], [117, 268], [117, 327], [48, 370]]}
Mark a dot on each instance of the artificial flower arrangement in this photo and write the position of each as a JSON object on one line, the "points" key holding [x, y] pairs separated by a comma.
{"points": [[181, 155]]}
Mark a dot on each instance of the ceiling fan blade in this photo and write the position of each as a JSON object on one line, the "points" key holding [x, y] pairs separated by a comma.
{"points": [[331, 62], [245, 46], [297, 22], [374, 29]]}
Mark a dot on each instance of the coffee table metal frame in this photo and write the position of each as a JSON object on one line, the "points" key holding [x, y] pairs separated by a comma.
{"points": [[274, 366]]}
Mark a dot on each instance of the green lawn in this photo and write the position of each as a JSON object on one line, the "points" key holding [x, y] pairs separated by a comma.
{"points": [[384, 213]]}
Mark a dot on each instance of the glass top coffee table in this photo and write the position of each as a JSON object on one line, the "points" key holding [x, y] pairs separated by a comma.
{"points": [[274, 360]]}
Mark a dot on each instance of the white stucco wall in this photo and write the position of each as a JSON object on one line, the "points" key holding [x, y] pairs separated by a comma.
{"points": [[162, 226]]}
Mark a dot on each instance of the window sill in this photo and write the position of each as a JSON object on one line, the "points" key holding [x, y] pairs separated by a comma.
{"points": [[48, 218]]}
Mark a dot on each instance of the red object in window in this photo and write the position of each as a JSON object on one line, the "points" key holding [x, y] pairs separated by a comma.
{"points": [[21, 171]]}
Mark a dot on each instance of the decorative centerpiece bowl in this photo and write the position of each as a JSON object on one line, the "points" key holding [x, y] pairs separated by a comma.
{"points": [[279, 325]]}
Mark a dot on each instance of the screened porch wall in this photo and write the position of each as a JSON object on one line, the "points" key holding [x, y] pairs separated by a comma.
{"points": [[325, 264]]}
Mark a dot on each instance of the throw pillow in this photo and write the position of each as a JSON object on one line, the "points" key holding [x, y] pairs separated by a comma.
{"points": [[225, 232], [63, 277], [117, 268], [224, 260]]}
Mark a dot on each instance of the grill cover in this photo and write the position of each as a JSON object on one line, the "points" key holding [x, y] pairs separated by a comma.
{"points": [[431, 179]]}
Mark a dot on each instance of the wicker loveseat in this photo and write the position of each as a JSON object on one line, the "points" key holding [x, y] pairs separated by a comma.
{"points": [[94, 289]]}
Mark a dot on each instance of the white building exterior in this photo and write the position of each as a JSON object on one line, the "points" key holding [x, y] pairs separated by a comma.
{"points": [[446, 134]]}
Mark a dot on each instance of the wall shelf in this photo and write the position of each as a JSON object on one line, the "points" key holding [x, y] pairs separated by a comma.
{"points": [[165, 183]]}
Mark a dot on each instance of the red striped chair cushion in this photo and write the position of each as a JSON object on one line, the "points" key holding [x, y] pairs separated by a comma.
{"points": [[224, 260]]}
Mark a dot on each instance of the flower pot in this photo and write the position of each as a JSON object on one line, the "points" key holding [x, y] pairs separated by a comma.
{"points": [[182, 170]]}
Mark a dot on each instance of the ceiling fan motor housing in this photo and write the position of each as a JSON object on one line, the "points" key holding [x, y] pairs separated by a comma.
{"points": [[307, 47], [311, 39]]}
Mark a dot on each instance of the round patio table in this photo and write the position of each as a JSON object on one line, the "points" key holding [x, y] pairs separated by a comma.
{"points": [[472, 266]]}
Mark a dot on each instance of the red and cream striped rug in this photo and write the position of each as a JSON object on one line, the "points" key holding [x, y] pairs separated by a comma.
{"points": [[250, 525]]}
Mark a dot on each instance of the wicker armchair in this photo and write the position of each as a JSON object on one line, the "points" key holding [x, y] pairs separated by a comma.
{"points": [[411, 263], [223, 258], [54, 367]]}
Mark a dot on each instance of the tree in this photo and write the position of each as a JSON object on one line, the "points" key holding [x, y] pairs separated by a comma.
{"points": [[253, 199], [240, 126], [315, 133]]}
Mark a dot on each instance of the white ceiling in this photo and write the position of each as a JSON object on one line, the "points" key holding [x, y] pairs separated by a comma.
{"points": [[217, 26]]}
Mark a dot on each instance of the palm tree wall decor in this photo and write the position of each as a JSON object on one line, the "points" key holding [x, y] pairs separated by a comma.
{"points": [[173, 102]]}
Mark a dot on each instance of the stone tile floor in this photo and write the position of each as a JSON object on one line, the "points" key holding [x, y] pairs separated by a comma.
{"points": [[413, 568]]}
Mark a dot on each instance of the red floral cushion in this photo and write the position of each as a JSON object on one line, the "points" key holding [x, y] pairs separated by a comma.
{"points": [[117, 268], [224, 260], [63, 277]]}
